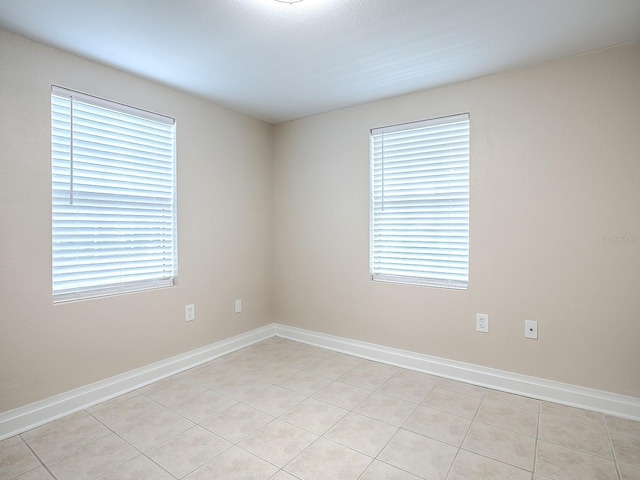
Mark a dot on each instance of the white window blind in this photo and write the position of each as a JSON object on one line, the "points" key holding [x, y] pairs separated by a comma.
{"points": [[113, 197], [420, 203]]}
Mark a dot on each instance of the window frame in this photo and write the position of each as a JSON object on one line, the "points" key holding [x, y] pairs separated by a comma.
{"points": [[424, 262], [125, 195]]}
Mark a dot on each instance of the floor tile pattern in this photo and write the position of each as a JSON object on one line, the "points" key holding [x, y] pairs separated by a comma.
{"points": [[282, 410]]}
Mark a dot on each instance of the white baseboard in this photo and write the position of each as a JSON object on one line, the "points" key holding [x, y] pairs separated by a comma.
{"points": [[35, 414], [552, 391], [44, 411]]}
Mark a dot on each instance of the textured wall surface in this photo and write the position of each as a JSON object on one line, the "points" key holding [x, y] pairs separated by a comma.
{"points": [[554, 228], [224, 233]]}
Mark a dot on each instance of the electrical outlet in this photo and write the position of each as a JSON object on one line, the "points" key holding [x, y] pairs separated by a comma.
{"points": [[237, 306], [531, 329], [482, 322], [189, 312]]}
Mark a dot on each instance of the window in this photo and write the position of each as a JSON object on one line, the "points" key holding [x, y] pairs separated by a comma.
{"points": [[113, 197], [420, 203]]}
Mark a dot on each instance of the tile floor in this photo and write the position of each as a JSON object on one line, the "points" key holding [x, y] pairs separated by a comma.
{"points": [[282, 410]]}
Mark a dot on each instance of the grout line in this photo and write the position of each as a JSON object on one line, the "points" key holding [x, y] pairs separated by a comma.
{"points": [[453, 462], [535, 445], [613, 450], [42, 464]]}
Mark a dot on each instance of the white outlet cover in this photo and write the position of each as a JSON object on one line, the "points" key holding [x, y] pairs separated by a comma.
{"points": [[531, 329], [189, 312], [482, 322], [237, 306]]}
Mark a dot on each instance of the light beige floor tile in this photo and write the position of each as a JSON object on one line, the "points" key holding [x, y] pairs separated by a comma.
{"points": [[302, 360], [304, 383], [16, 459], [469, 466], [561, 463], [67, 437], [461, 387], [365, 378], [234, 464], [212, 367], [363, 434], [572, 413], [452, 402], [125, 412], [382, 471], [330, 368], [138, 468], [171, 391], [432, 462], [306, 350], [404, 389], [37, 474], [342, 395], [326, 460], [7, 442], [282, 475], [278, 442], [93, 459], [274, 400], [203, 405], [314, 415], [343, 358], [629, 471], [509, 399], [624, 425], [518, 420], [379, 367], [438, 425], [241, 361], [188, 451], [221, 378], [503, 445], [418, 377], [627, 447], [210, 374], [272, 372], [242, 387], [114, 402], [581, 436], [237, 422], [52, 426], [156, 429], [386, 409]]}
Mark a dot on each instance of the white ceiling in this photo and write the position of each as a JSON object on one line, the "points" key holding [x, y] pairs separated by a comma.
{"points": [[278, 61]]}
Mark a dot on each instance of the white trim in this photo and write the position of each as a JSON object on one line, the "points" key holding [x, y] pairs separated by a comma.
{"points": [[44, 411], [573, 395], [35, 414], [109, 104]]}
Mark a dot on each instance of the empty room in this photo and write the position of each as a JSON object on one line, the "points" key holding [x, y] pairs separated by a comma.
{"points": [[319, 239]]}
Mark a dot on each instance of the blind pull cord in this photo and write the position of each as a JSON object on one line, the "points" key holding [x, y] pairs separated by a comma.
{"points": [[71, 156], [382, 170]]}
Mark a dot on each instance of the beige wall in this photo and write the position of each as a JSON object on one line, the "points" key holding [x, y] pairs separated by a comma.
{"points": [[555, 170], [224, 230]]}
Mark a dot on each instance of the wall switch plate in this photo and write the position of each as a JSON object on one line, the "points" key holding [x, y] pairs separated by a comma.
{"points": [[531, 329], [482, 322], [238, 306], [189, 312]]}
